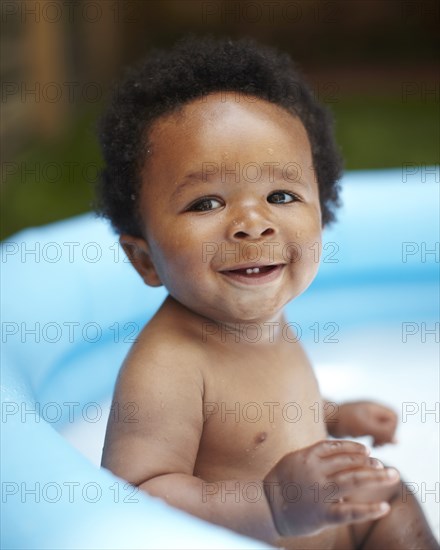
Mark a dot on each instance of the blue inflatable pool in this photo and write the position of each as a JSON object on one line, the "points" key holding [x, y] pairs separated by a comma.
{"points": [[72, 305]]}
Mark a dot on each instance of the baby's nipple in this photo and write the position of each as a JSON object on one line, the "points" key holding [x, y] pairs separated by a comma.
{"points": [[260, 437]]}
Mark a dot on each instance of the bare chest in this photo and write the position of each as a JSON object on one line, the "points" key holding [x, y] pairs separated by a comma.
{"points": [[255, 413]]}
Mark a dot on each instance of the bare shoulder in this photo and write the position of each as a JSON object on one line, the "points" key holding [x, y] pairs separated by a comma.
{"points": [[161, 383], [162, 349]]}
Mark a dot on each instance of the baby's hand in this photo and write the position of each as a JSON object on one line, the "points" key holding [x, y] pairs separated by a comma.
{"points": [[330, 483], [364, 418]]}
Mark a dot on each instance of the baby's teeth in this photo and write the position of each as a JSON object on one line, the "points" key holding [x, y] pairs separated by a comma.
{"points": [[250, 270], [256, 270]]}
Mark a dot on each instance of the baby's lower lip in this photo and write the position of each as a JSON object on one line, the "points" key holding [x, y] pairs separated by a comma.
{"points": [[254, 278]]}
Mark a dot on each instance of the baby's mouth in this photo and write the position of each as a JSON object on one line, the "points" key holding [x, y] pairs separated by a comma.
{"points": [[253, 270], [254, 274]]}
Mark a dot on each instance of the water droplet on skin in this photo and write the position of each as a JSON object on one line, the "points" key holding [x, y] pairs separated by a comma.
{"points": [[247, 450]]}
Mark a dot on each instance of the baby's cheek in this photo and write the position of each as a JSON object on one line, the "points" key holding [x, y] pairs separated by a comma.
{"points": [[308, 243], [313, 251], [309, 253], [183, 262]]}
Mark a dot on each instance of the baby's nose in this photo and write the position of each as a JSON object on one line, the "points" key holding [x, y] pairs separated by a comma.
{"points": [[252, 226], [254, 234]]}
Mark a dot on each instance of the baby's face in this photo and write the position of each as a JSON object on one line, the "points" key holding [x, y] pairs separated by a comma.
{"points": [[229, 186]]}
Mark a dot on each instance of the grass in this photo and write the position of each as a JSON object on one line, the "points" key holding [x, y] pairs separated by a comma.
{"points": [[383, 133]]}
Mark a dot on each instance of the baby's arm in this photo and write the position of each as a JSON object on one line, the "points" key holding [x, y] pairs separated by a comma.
{"points": [[360, 418], [158, 451]]}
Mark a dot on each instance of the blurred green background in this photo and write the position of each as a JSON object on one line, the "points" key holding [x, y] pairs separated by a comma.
{"points": [[374, 63]]}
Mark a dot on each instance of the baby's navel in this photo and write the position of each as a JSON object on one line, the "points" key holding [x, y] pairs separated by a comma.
{"points": [[260, 437]]}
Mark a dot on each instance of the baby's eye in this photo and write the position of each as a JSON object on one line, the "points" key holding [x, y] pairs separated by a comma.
{"points": [[205, 204], [282, 197]]}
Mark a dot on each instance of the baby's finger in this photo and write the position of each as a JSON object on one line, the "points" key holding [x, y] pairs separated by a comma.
{"points": [[358, 481], [346, 512], [380, 441], [389, 420], [327, 448], [348, 461], [382, 434]]}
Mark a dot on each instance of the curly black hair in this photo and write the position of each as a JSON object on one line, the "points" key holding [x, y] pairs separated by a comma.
{"points": [[168, 79]]}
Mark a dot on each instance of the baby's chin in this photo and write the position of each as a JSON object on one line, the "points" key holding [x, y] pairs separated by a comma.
{"points": [[247, 306], [246, 311], [250, 310]]}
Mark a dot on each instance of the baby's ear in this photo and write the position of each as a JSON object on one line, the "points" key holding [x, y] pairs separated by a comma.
{"points": [[138, 253]]}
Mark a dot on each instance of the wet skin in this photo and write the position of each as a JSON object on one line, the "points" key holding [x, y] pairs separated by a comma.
{"points": [[192, 363], [232, 210]]}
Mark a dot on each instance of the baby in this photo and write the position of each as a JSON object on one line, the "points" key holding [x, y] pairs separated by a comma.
{"points": [[221, 171]]}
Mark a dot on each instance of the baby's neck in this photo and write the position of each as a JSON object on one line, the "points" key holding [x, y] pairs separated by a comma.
{"points": [[265, 332]]}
